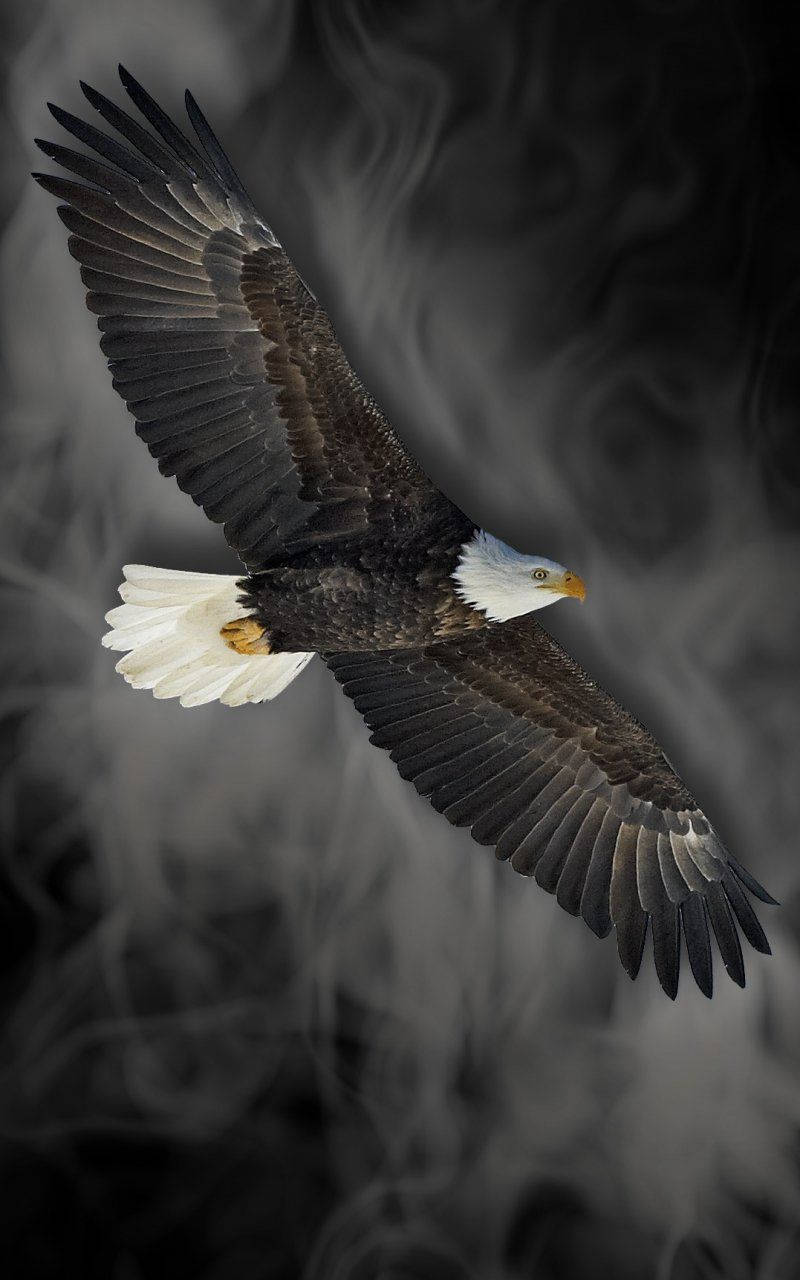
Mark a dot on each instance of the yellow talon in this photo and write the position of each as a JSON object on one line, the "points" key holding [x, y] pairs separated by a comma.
{"points": [[245, 635]]}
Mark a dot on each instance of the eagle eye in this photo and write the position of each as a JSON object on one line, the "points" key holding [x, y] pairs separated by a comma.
{"points": [[539, 574]]}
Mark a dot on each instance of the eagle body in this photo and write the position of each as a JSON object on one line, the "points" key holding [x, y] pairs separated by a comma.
{"points": [[382, 595], [241, 391]]}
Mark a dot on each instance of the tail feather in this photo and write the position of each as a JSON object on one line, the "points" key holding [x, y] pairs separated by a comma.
{"points": [[168, 629]]}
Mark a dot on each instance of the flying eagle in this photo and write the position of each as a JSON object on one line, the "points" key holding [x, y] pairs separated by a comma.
{"points": [[241, 391]]}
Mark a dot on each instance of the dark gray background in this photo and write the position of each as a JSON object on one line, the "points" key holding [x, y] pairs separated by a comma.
{"points": [[266, 1014]]}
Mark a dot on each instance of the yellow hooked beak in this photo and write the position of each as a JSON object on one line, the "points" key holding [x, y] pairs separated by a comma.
{"points": [[569, 584], [572, 585]]}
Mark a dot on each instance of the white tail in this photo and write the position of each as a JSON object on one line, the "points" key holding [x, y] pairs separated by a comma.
{"points": [[169, 629]]}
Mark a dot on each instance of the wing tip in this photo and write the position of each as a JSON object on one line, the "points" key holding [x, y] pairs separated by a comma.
{"points": [[667, 957], [667, 960], [600, 926], [47, 181], [93, 96], [630, 949], [214, 150], [751, 883]]}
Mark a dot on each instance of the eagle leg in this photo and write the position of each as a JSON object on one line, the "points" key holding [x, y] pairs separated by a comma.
{"points": [[245, 635]]}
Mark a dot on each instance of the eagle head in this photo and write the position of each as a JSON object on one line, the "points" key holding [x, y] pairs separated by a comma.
{"points": [[504, 583]]}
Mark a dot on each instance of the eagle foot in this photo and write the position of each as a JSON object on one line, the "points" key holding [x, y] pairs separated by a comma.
{"points": [[245, 635]]}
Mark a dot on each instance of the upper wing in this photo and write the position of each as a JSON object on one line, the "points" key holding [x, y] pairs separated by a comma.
{"points": [[229, 365], [506, 734]]}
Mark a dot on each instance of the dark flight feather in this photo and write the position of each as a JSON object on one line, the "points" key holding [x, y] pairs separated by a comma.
{"points": [[725, 932], [551, 864], [665, 925], [109, 148], [746, 916], [594, 903], [572, 881], [627, 914], [694, 918]]}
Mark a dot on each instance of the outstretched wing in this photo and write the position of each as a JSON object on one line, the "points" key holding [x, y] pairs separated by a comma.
{"points": [[506, 734], [230, 367]]}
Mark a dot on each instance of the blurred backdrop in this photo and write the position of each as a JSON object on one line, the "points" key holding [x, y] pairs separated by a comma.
{"points": [[266, 1015]]}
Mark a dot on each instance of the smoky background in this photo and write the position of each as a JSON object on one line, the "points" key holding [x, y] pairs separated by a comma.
{"points": [[266, 1014]]}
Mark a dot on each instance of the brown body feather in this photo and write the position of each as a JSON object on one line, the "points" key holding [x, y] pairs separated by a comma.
{"points": [[372, 595]]}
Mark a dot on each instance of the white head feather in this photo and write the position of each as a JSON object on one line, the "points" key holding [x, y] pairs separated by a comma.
{"points": [[504, 583]]}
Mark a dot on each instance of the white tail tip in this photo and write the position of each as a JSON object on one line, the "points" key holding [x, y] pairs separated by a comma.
{"points": [[169, 628]]}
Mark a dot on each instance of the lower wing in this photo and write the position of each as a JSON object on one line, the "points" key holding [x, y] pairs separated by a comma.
{"points": [[505, 734]]}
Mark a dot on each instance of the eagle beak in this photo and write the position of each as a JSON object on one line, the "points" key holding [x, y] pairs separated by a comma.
{"points": [[572, 585]]}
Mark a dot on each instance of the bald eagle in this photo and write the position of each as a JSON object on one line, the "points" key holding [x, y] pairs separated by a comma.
{"points": [[241, 391]]}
